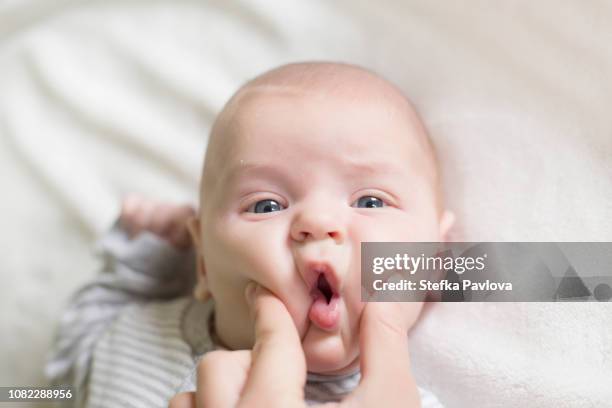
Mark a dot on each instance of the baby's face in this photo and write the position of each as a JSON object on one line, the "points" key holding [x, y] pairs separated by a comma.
{"points": [[302, 181]]}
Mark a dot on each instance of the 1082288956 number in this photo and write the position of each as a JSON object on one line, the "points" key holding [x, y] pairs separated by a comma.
{"points": [[35, 393]]}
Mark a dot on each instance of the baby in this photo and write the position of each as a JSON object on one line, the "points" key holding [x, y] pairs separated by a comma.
{"points": [[303, 164]]}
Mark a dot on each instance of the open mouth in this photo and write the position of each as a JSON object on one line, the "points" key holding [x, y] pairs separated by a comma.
{"points": [[324, 287], [324, 311], [323, 282]]}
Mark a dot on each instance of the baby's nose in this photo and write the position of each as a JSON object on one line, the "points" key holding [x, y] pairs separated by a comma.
{"points": [[311, 224]]}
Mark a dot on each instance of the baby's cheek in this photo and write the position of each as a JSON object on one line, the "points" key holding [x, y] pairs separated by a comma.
{"points": [[299, 314], [353, 301], [375, 229], [394, 226], [244, 250], [258, 253]]}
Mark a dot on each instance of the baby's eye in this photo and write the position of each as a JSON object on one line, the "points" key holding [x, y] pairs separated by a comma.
{"points": [[265, 206], [368, 202]]}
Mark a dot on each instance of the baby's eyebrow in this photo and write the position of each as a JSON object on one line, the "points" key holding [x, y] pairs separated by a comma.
{"points": [[351, 167], [365, 167], [255, 169], [371, 167]]}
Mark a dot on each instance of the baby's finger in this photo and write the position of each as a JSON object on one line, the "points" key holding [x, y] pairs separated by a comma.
{"points": [[136, 213], [278, 369], [180, 238], [161, 220], [179, 233], [130, 207], [221, 377], [130, 204]]}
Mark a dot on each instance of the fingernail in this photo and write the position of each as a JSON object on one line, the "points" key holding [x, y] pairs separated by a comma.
{"points": [[249, 293]]}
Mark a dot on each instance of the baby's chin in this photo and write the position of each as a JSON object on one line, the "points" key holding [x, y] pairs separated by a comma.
{"points": [[326, 353]]}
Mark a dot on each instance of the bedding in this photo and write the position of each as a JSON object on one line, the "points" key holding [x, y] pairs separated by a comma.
{"points": [[98, 99]]}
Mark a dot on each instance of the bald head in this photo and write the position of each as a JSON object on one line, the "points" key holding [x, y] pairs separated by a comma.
{"points": [[322, 81], [326, 80]]}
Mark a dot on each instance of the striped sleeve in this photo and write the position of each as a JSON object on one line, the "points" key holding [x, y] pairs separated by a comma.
{"points": [[142, 359], [135, 271]]}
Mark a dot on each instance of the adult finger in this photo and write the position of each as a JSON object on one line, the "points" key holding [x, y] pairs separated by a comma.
{"points": [[183, 400], [278, 368], [220, 378], [385, 359]]}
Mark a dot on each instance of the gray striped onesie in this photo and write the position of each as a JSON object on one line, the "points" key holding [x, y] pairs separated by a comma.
{"points": [[134, 335]]}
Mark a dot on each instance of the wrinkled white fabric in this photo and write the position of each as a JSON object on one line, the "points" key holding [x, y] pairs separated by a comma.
{"points": [[102, 98]]}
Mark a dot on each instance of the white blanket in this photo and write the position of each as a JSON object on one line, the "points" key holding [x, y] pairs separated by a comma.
{"points": [[98, 99]]}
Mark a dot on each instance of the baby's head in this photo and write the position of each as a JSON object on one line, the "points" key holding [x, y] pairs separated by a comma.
{"points": [[303, 164]]}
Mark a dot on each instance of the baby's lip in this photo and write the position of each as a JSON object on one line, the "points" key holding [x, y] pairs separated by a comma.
{"points": [[321, 277], [322, 280]]}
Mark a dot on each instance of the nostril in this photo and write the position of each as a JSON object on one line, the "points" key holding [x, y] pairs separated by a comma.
{"points": [[325, 288], [336, 236]]}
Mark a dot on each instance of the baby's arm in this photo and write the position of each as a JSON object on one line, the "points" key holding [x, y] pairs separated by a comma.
{"points": [[145, 258]]}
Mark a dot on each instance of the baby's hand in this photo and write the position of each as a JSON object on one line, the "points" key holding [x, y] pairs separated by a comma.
{"points": [[167, 221]]}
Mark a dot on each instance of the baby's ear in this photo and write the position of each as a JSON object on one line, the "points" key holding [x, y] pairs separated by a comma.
{"points": [[447, 221], [200, 291]]}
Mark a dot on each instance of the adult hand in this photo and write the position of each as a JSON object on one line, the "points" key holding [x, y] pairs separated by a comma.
{"points": [[273, 374], [386, 378]]}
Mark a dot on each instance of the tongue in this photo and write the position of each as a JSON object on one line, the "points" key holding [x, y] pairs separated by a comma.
{"points": [[323, 314]]}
